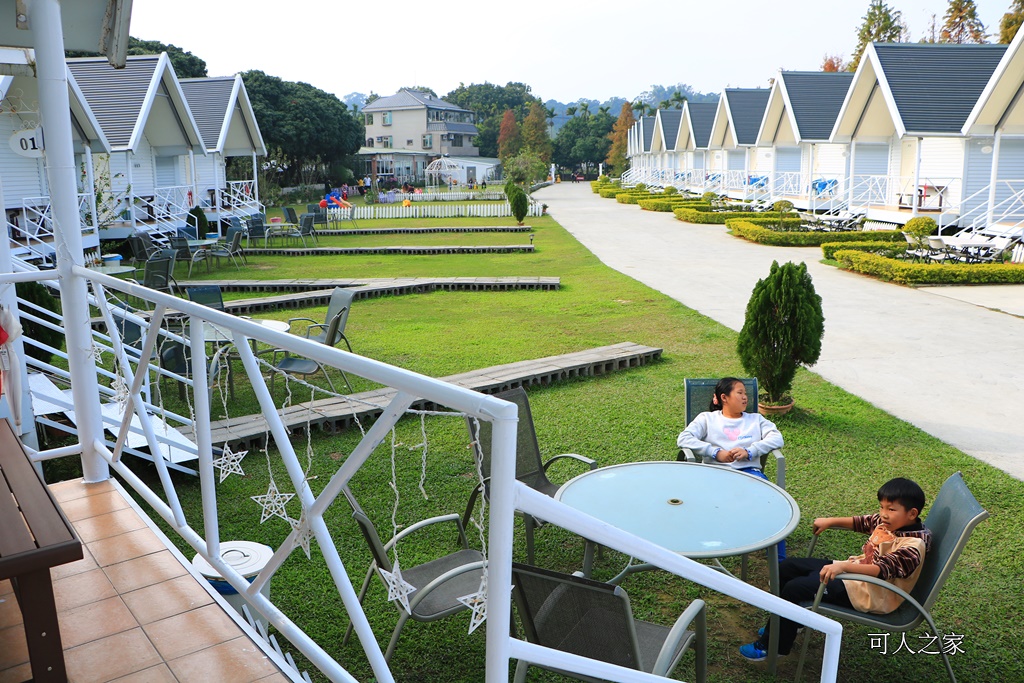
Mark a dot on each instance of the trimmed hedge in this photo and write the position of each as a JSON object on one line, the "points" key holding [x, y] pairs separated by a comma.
{"points": [[887, 249], [630, 197], [909, 273], [610, 191], [751, 229], [693, 215], [670, 204]]}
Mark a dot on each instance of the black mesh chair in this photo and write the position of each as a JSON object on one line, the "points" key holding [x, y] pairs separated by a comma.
{"points": [[952, 518], [698, 398], [439, 583], [595, 620], [530, 469], [207, 295]]}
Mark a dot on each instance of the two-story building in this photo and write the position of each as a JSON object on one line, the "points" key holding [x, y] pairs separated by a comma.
{"points": [[408, 130]]}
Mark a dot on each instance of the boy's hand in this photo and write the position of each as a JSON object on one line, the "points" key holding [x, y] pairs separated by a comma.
{"points": [[822, 523], [829, 571]]}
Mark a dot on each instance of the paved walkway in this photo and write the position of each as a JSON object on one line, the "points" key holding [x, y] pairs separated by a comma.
{"points": [[946, 359]]}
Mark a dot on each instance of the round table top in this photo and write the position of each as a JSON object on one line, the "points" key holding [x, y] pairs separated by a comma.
{"points": [[696, 510]]}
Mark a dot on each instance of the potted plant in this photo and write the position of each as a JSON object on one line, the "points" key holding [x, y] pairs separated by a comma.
{"points": [[782, 331]]}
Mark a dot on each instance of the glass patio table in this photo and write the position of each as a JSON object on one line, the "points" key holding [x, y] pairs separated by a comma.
{"points": [[697, 510]]}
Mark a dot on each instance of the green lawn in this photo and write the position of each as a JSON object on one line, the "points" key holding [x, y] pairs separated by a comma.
{"points": [[839, 449]]}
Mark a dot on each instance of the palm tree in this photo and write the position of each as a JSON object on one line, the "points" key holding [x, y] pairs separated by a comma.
{"points": [[639, 107], [665, 104], [584, 109], [604, 110], [570, 111], [677, 99]]}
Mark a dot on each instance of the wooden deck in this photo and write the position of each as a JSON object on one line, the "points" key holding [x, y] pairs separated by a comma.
{"points": [[333, 414], [130, 610]]}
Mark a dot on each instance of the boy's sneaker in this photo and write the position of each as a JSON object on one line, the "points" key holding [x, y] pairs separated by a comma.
{"points": [[754, 651]]}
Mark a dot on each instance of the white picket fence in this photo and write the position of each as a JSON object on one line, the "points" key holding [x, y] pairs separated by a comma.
{"points": [[446, 196], [492, 210]]}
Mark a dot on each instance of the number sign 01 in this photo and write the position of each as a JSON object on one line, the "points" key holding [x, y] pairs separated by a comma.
{"points": [[28, 143]]}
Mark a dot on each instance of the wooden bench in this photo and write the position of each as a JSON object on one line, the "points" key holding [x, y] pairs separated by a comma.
{"points": [[34, 536]]}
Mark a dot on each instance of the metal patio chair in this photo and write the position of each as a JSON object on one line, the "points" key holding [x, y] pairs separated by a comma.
{"points": [[530, 469], [338, 308], [439, 582], [229, 249], [952, 518], [595, 620]]}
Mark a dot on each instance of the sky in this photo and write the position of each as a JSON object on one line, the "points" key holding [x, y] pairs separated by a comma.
{"points": [[592, 49]]}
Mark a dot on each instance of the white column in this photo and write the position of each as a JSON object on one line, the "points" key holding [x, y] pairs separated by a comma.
{"points": [[993, 178], [195, 181], [45, 19], [90, 186], [917, 179], [129, 161], [853, 168], [255, 179]]}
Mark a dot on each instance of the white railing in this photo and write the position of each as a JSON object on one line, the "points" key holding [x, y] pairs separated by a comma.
{"points": [[789, 184], [241, 198], [430, 195], [35, 229], [506, 495], [1005, 216], [926, 194], [488, 210], [734, 181]]}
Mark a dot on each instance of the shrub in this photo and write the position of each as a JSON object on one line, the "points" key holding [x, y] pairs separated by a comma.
{"points": [[908, 273], [710, 197], [518, 201], [782, 329], [640, 186], [671, 189], [919, 228], [755, 230], [197, 219], [696, 215], [887, 249]]}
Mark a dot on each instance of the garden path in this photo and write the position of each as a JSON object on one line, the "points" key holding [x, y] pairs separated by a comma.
{"points": [[945, 359]]}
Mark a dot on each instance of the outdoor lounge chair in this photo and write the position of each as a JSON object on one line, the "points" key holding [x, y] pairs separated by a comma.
{"points": [[595, 620], [439, 582], [183, 252], [338, 308], [530, 469], [256, 230], [303, 230], [229, 249], [952, 518], [207, 295], [159, 274], [698, 397]]}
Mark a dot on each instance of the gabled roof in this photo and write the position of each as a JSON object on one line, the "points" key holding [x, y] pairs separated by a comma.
{"points": [[739, 116], [809, 101], [668, 125], [647, 126], [126, 101], [928, 89], [224, 115], [999, 105], [697, 121], [410, 99], [84, 126]]}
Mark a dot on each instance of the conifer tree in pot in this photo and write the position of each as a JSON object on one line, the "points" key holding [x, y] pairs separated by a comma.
{"points": [[782, 330]]}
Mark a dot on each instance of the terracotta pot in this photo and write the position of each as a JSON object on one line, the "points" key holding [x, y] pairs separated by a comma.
{"points": [[769, 411]]}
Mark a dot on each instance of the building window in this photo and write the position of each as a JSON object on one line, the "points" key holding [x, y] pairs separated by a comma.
{"points": [[369, 142], [385, 118], [456, 140], [386, 142], [428, 141], [369, 119]]}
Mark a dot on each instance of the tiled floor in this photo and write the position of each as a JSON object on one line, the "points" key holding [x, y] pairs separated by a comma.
{"points": [[129, 611]]}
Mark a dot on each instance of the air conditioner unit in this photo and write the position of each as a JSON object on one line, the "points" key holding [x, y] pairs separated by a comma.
{"points": [[380, 138]]}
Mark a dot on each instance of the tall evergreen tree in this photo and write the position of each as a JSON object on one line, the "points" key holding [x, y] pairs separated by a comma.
{"points": [[619, 136], [1011, 21], [882, 24], [961, 24], [535, 132], [510, 139]]}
